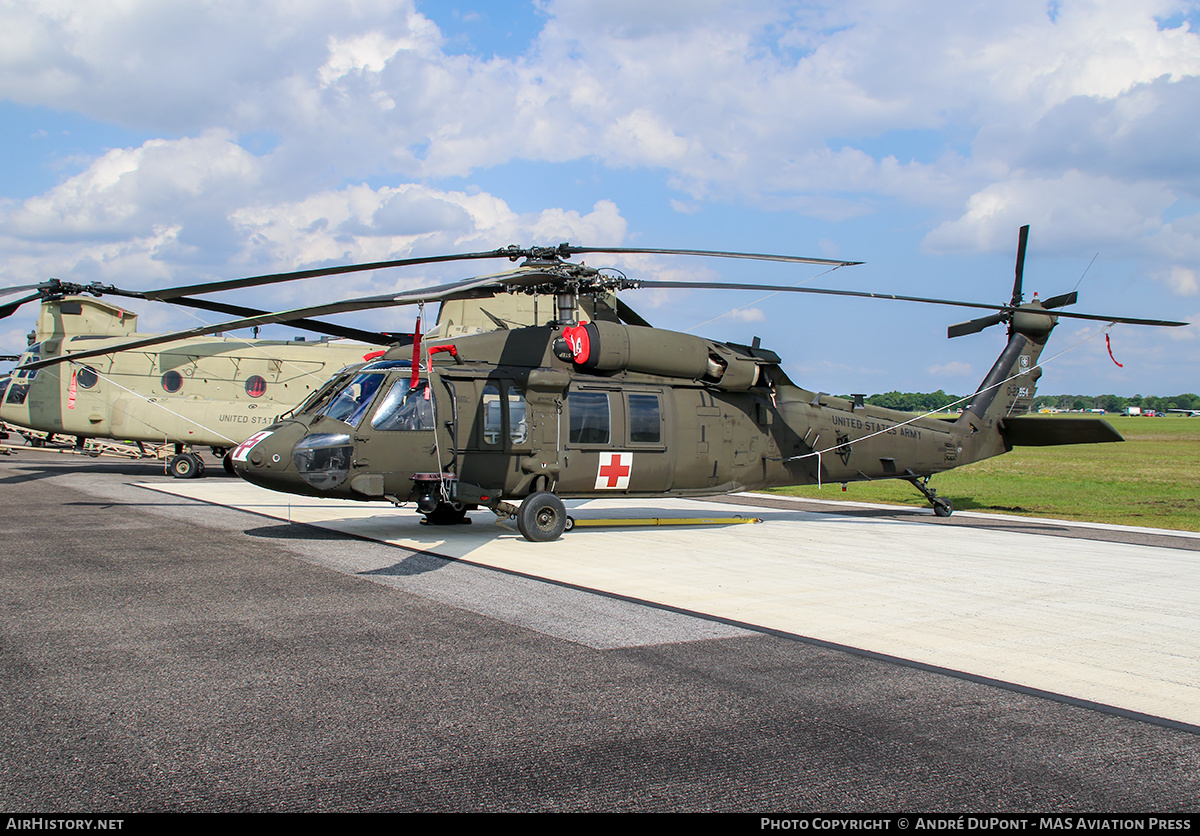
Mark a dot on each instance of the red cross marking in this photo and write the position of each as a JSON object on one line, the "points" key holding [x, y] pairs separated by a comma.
{"points": [[614, 470]]}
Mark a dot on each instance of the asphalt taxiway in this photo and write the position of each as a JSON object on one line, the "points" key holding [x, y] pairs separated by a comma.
{"points": [[188, 645]]}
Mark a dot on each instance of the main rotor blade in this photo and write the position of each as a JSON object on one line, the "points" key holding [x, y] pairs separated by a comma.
{"points": [[170, 293], [5, 291], [512, 253], [460, 289], [790, 259], [11, 308], [898, 298], [1022, 240], [315, 325], [859, 294]]}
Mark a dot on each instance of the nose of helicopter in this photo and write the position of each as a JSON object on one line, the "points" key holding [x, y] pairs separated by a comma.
{"points": [[266, 458]]}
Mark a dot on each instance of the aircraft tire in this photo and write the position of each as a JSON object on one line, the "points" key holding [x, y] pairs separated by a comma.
{"points": [[942, 507], [542, 517], [227, 463], [185, 466]]}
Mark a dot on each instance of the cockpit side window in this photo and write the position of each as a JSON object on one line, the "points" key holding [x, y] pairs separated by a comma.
{"points": [[405, 407], [34, 352]]}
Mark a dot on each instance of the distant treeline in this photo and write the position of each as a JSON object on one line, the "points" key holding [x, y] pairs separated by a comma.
{"points": [[1113, 403], [930, 401]]}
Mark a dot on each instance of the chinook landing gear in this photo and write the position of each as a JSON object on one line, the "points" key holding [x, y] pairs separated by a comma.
{"points": [[941, 507], [185, 466]]}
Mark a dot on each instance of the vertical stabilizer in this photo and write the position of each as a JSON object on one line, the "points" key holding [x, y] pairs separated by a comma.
{"points": [[1011, 385]]}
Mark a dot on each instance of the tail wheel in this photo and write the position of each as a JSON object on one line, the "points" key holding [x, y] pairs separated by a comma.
{"points": [[542, 517], [942, 507]]}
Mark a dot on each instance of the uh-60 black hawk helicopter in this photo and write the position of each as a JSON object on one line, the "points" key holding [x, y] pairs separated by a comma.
{"points": [[610, 406]]}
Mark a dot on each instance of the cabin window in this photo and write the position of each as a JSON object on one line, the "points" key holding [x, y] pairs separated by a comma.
{"points": [[86, 377], [645, 419], [172, 382], [518, 427], [495, 409], [256, 386], [405, 407], [590, 419], [492, 423]]}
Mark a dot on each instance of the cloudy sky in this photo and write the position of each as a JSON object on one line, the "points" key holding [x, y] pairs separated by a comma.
{"points": [[151, 143]]}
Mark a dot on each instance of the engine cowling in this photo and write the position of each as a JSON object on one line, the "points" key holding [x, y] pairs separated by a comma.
{"points": [[610, 346]]}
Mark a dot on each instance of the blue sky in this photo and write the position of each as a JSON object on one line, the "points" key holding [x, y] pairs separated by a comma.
{"points": [[151, 144]]}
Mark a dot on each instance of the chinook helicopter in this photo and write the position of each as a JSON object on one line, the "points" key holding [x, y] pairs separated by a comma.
{"points": [[209, 392], [612, 407]]}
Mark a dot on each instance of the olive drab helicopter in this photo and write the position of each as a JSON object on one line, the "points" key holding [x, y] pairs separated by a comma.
{"points": [[517, 419], [202, 392]]}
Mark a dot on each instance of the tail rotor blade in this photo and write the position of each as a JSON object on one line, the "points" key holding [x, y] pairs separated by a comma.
{"points": [[974, 326], [1018, 297], [1061, 301]]}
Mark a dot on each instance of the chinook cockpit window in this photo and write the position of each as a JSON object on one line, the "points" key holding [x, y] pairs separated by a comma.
{"points": [[33, 353], [405, 407]]}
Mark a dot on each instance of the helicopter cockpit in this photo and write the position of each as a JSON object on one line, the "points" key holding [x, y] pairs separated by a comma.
{"points": [[16, 392], [384, 390]]}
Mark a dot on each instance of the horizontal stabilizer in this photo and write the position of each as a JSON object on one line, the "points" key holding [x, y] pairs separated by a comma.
{"points": [[1039, 431]]}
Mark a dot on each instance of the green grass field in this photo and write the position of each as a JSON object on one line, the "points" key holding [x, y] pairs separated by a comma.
{"points": [[1153, 479]]}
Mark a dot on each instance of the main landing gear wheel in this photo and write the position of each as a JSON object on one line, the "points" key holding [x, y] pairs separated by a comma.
{"points": [[942, 507], [227, 463], [542, 517], [185, 466]]}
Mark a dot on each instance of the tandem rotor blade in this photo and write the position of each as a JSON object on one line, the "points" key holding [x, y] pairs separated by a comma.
{"points": [[461, 289], [11, 308], [315, 325], [5, 291]]}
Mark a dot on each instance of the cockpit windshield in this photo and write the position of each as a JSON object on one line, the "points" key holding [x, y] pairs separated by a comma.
{"points": [[353, 399]]}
